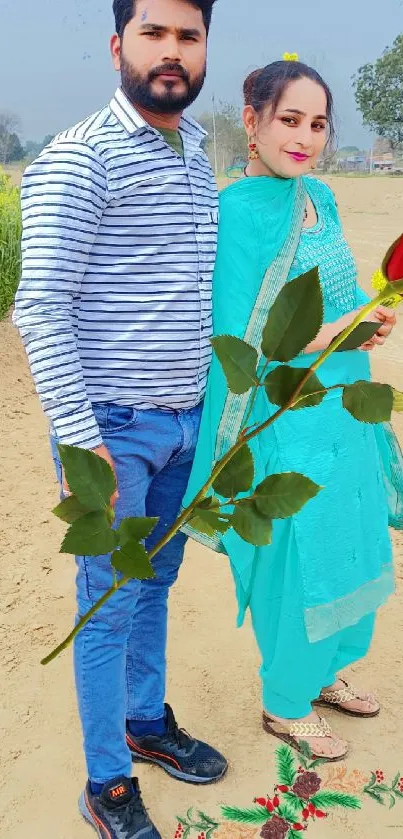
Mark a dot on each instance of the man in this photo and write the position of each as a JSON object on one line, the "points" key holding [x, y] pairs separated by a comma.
{"points": [[114, 307]]}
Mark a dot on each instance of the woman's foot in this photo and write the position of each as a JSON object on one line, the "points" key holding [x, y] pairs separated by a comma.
{"points": [[330, 746], [346, 698]]}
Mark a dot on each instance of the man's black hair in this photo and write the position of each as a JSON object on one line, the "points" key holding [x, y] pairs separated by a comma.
{"points": [[124, 10]]}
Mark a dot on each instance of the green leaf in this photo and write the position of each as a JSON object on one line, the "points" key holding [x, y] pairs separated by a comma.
{"points": [[396, 780], [327, 799], [361, 334], [294, 800], [396, 288], [209, 522], [136, 529], [132, 561], [368, 401], [251, 525], [289, 812], [286, 771], [294, 319], [70, 510], [110, 515], [90, 535], [305, 749], [282, 382], [207, 820], [89, 477], [239, 362], [397, 400], [255, 815], [284, 495], [181, 820], [383, 788], [210, 503], [237, 475]]}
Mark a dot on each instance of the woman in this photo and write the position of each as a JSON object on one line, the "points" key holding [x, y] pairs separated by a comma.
{"points": [[313, 593]]}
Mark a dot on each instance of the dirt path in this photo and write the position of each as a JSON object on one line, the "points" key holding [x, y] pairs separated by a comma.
{"points": [[213, 667]]}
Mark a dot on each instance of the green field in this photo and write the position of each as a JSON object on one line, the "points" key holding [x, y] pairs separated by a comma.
{"points": [[10, 236]]}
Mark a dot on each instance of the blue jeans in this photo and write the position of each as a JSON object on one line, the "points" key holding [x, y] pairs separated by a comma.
{"points": [[120, 657]]}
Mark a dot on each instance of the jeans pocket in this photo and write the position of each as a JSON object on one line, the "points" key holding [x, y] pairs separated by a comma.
{"points": [[112, 419]]}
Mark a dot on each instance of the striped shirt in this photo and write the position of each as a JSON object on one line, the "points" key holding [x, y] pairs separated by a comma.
{"points": [[119, 245]]}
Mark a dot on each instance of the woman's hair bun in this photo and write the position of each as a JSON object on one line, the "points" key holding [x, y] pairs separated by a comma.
{"points": [[249, 84]]}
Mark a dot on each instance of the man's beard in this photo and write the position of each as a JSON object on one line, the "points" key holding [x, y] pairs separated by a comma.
{"points": [[139, 89]]}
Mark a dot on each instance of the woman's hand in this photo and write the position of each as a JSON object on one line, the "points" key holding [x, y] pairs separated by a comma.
{"points": [[384, 316], [388, 320]]}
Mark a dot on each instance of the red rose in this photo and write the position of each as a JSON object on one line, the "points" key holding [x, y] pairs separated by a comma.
{"points": [[393, 263]]}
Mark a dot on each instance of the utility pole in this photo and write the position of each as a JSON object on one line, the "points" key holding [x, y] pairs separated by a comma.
{"points": [[215, 137]]}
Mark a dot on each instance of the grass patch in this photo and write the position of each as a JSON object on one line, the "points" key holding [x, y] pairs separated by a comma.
{"points": [[10, 242]]}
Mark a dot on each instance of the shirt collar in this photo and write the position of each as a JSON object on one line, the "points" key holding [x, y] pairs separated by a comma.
{"points": [[132, 121]]}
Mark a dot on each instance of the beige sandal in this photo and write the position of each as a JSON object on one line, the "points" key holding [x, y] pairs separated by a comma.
{"points": [[334, 698], [296, 732]]}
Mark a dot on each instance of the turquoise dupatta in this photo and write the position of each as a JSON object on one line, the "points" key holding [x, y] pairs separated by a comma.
{"points": [[346, 571], [242, 311]]}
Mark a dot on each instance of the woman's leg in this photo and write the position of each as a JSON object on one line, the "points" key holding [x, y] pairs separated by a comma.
{"points": [[293, 670], [354, 645]]}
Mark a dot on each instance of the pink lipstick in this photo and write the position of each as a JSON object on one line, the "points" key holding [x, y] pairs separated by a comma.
{"points": [[298, 156]]}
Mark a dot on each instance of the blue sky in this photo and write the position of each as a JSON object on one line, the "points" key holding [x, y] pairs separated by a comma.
{"points": [[55, 67]]}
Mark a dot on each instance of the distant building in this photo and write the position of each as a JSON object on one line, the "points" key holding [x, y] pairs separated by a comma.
{"points": [[384, 162], [354, 163]]}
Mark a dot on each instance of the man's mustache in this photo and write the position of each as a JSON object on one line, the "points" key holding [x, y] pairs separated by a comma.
{"points": [[169, 68]]}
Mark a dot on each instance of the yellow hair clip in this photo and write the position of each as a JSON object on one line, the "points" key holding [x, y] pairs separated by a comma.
{"points": [[290, 56]]}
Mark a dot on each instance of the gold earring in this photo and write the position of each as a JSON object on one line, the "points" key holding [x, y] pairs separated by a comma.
{"points": [[253, 152], [313, 166]]}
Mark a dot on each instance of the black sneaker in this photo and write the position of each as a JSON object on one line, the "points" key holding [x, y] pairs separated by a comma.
{"points": [[179, 754], [118, 812]]}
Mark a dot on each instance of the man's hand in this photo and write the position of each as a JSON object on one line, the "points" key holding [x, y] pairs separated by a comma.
{"points": [[103, 452]]}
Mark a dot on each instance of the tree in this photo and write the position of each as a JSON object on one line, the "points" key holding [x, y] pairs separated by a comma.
{"points": [[382, 146], [379, 93], [231, 138], [10, 128], [34, 147], [15, 149]]}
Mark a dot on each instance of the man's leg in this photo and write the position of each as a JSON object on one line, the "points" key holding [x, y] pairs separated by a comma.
{"points": [[146, 661], [100, 648]]}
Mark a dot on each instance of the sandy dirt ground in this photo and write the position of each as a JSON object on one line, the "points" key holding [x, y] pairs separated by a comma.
{"points": [[213, 681]]}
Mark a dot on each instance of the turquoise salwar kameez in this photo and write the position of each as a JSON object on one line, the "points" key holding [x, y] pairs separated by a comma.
{"points": [[314, 592]]}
